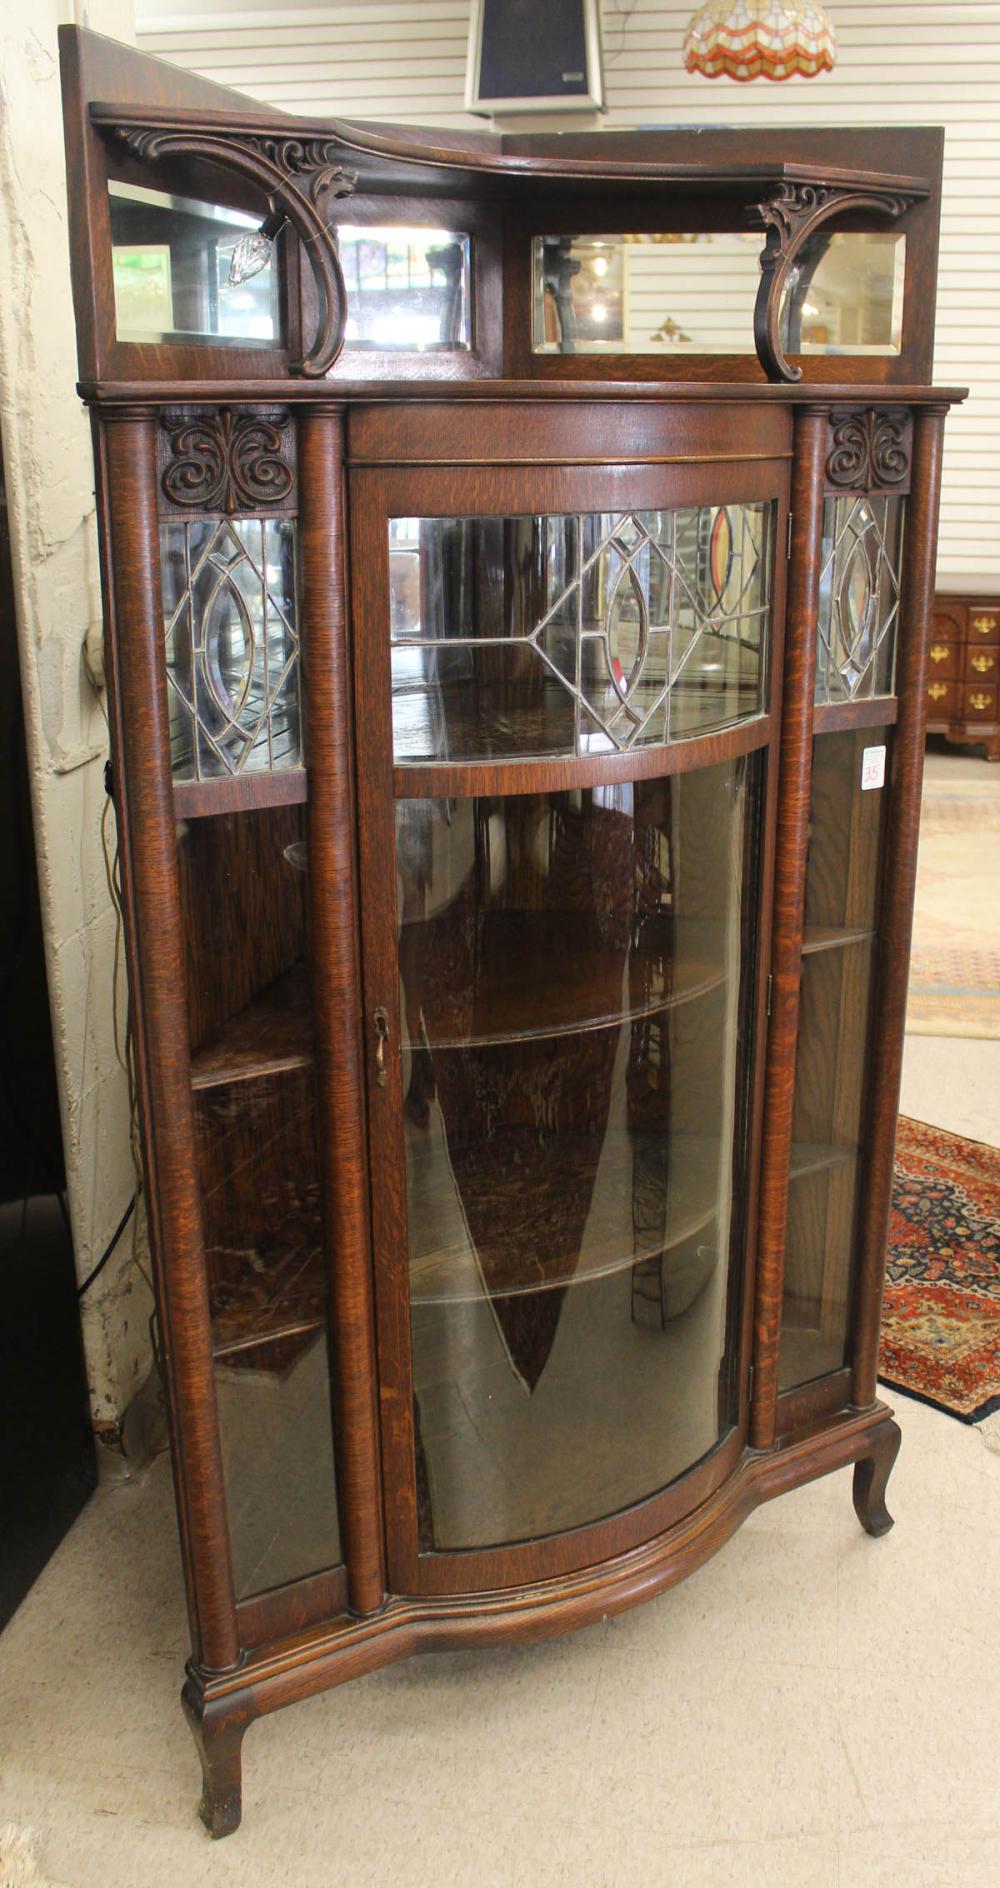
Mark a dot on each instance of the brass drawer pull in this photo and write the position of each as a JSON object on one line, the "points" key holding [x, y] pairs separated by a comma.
{"points": [[937, 690], [940, 652], [381, 1022], [984, 624], [982, 664], [980, 701]]}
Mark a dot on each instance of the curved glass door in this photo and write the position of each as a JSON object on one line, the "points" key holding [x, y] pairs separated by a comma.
{"points": [[571, 971], [562, 971]]}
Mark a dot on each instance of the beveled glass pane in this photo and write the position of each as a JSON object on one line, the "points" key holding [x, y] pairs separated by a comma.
{"points": [[859, 596], [232, 647], [573, 976], [243, 882], [688, 292], [685, 293], [585, 634], [173, 259], [845, 294], [407, 288], [832, 1066]]}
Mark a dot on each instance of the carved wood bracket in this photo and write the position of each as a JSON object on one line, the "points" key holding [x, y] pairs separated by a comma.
{"points": [[225, 461], [299, 177], [869, 449], [791, 214]]}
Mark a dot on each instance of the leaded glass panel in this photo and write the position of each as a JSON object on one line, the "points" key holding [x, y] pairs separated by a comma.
{"points": [[859, 597], [592, 633], [232, 646]]}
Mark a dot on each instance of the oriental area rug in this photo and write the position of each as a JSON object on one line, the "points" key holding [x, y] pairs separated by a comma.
{"points": [[941, 1314]]}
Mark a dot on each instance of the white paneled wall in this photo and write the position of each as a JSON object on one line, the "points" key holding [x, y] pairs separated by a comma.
{"points": [[899, 63]]}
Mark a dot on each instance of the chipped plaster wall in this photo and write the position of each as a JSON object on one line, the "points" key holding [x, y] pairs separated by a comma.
{"points": [[46, 444]]}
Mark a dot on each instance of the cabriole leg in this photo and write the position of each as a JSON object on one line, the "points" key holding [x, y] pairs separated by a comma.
{"points": [[871, 1475], [220, 1741]]}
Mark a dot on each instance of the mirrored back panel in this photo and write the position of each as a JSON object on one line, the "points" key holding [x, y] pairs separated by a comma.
{"points": [[184, 269], [407, 288], [693, 292]]}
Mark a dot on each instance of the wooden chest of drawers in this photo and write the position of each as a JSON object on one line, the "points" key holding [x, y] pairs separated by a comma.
{"points": [[963, 671]]}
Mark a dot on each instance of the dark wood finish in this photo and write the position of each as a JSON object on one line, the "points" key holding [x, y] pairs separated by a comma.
{"points": [[871, 1474], [898, 882], [273, 1033], [263, 954], [963, 672], [869, 450], [789, 908], [336, 994], [243, 793], [141, 757], [829, 716], [311, 1662]]}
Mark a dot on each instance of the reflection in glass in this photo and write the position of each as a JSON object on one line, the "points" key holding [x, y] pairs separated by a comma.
{"points": [[845, 294], [691, 292], [859, 597], [645, 294], [232, 645], [172, 258], [258, 1171], [842, 881], [587, 634], [573, 975], [406, 288]]}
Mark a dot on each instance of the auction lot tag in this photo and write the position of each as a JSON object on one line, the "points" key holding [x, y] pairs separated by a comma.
{"points": [[872, 768]]}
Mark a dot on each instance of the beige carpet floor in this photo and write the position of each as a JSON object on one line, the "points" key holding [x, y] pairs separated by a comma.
{"points": [[955, 966]]}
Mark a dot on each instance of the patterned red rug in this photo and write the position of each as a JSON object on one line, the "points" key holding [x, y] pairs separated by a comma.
{"points": [[941, 1317]]}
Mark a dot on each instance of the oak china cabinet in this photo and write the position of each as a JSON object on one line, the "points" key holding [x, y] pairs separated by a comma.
{"points": [[518, 557]]}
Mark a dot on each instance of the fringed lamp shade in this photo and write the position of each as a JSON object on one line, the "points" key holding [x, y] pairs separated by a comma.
{"points": [[750, 39]]}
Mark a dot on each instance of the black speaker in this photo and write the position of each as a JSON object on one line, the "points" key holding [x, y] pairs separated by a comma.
{"points": [[534, 55]]}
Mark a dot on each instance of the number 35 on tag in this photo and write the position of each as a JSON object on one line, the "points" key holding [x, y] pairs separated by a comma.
{"points": [[872, 768]]}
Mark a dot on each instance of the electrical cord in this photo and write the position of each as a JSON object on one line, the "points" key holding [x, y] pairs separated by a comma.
{"points": [[109, 1248]]}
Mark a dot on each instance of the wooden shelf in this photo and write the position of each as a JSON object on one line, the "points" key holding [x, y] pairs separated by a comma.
{"points": [[519, 975], [486, 721], [273, 1033], [831, 937], [268, 1303], [818, 1157], [517, 1218]]}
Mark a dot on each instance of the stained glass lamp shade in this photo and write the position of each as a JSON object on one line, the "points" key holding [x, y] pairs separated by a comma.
{"points": [[742, 40]]}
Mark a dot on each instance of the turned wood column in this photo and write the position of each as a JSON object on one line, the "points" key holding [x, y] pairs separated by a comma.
{"points": [[792, 842], [337, 995], [155, 945]]}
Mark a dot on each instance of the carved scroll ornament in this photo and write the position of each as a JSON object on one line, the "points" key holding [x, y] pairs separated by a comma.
{"points": [[791, 215], [299, 176], [869, 451], [225, 461]]}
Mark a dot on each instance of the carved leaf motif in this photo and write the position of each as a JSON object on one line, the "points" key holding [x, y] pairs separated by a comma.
{"points": [[226, 461], [869, 450], [198, 471]]}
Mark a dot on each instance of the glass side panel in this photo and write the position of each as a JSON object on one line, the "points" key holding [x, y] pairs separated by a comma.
{"points": [[574, 979], [232, 645], [693, 292], [859, 597], [842, 886], [845, 294], [406, 288], [173, 260], [586, 634], [244, 894]]}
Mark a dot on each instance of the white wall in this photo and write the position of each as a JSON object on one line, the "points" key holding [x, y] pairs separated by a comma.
{"points": [[899, 63], [47, 455]]}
